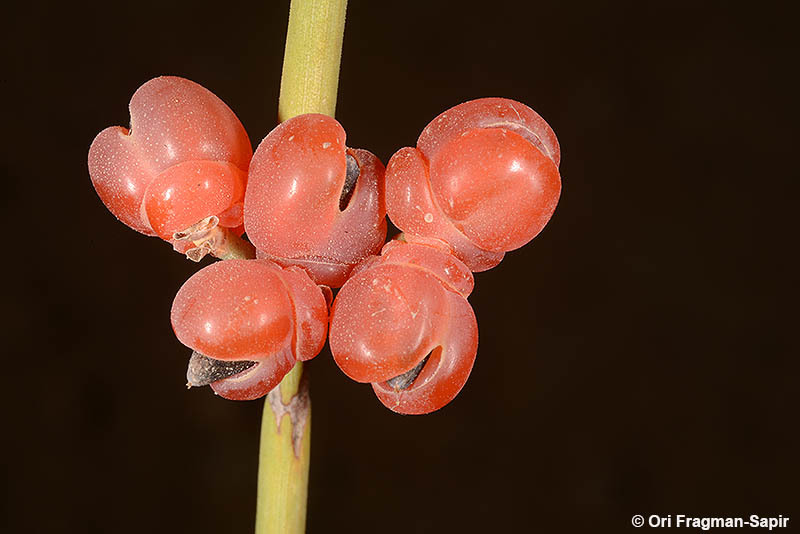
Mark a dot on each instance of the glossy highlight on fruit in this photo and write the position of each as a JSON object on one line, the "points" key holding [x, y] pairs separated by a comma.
{"points": [[183, 160], [251, 311], [402, 309], [484, 178], [313, 202]]}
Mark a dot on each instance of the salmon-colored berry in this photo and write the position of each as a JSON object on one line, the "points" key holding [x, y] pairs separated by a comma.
{"points": [[402, 322], [253, 312], [484, 178], [183, 161], [313, 202]]}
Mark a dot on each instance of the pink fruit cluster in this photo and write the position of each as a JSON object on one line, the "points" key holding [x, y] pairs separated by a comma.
{"points": [[482, 181]]}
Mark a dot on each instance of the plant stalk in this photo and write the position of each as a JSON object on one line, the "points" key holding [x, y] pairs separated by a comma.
{"points": [[309, 83], [310, 77]]}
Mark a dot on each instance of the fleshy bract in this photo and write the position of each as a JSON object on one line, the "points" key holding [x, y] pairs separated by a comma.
{"points": [[251, 310], [407, 311], [313, 202], [484, 178], [184, 159]]}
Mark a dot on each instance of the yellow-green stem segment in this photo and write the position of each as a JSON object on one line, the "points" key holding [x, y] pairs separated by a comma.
{"points": [[309, 83], [283, 456], [311, 61]]}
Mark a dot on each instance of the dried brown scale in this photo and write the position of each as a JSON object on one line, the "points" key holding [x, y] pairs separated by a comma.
{"points": [[297, 409]]}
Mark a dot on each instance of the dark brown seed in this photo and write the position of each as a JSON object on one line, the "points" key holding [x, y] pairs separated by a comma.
{"points": [[349, 182], [204, 370], [404, 381]]}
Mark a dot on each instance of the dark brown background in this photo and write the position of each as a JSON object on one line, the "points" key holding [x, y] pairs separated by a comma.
{"points": [[635, 358]]}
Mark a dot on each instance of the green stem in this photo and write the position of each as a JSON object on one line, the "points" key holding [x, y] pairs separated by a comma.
{"points": [[311, 61], [284, 454], [235, 248], [308, 85]]}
